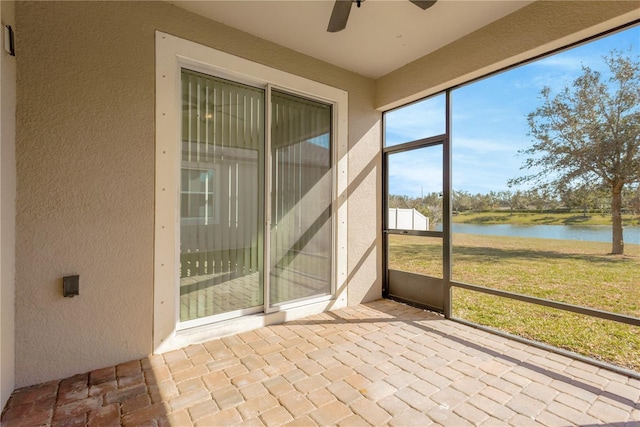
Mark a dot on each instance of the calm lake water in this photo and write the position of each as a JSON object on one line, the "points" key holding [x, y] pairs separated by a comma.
{"points": [[592, 233]]}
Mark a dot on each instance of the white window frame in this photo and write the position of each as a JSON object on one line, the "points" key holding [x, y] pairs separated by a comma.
{"points": [[214, 216], [172, 54]]}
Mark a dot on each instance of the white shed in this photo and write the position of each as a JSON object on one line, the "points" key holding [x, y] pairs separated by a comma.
{"points": [[407, 219]]}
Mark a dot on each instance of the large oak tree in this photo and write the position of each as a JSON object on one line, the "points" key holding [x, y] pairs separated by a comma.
{"points": [[588, 136]]}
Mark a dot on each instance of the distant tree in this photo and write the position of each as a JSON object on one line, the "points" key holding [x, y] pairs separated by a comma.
{"points": [[584, 197], [396, 201], [479, 203], [514, 200], [461, 201], [589, 134], [536, 199], [633, 200], [517, 201], [493, 200]]}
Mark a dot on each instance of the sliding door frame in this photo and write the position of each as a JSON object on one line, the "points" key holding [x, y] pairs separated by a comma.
{"points": [[173, 54]]}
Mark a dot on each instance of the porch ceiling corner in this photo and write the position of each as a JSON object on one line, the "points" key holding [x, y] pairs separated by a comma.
{"points": [[534, 30]]}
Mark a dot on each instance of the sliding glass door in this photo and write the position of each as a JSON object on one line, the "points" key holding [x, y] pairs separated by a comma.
{"points": [[224, 236]]}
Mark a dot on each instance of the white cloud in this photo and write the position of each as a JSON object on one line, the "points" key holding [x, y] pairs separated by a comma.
{"points": [[564, 62], [484, 145]]}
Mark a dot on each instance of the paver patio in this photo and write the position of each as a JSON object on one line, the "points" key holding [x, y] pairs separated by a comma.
{"points": [[381, 363]]}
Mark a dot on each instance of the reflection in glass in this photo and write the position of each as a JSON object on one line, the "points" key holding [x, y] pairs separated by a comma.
{"points": [[196, 194], [422, 119], [301, 195], [220, 196]]}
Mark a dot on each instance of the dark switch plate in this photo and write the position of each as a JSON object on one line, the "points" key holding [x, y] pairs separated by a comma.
{"points": [[71, 286]]}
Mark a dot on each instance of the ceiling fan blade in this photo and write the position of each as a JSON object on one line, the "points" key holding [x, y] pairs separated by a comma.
{"points": [[423, 4], [339, 16]]}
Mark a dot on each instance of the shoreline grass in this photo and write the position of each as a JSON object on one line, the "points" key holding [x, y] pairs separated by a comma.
{"points": [[579, 273], [541, 218]]}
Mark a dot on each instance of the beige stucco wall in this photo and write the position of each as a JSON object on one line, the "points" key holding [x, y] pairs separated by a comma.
{"points": [[533, 30], [85, 164], [7, 210]]}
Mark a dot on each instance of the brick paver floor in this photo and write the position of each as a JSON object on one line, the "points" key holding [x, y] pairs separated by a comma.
{"points": [[381, 363]]}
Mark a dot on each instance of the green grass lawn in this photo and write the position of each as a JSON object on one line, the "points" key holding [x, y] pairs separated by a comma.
{"points": [[579, 273], [540, 218]]}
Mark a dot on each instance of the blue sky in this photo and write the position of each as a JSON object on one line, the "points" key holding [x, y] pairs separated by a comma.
{"points": [[489, 121]]}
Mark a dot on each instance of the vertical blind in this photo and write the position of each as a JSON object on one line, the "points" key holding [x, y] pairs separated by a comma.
{"points": [[301, 194], [221, 198]]}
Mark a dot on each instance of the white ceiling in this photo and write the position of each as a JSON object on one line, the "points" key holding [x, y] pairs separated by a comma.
{"points": [[381, 35]]}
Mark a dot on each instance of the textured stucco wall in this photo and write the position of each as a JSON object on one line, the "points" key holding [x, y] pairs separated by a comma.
{"points": [[85, 164], [533, 30], [7, 210]]}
